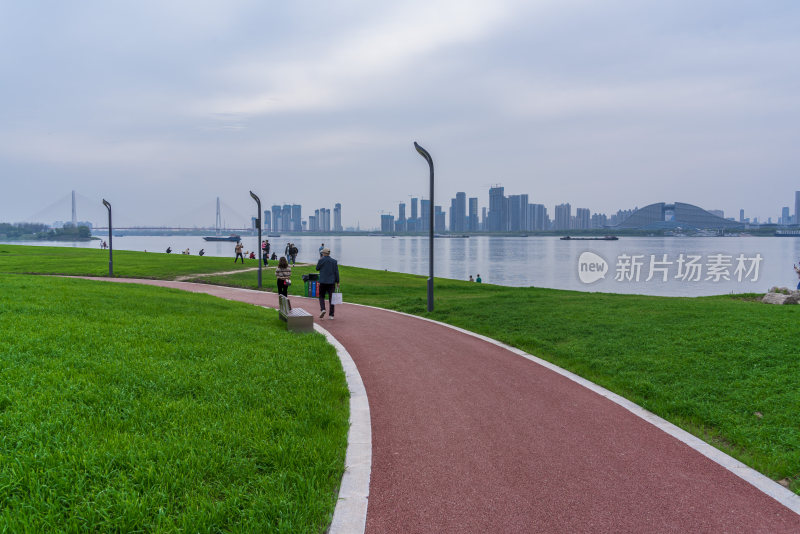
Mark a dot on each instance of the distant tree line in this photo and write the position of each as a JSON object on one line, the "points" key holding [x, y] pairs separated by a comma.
{"points": [[31, 231]]}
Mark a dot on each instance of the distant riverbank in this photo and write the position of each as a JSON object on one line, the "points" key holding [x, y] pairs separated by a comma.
{"points": [[541, 261]]}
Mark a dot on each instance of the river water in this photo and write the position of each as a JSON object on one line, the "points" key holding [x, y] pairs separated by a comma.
{"points": [[692, 266]]}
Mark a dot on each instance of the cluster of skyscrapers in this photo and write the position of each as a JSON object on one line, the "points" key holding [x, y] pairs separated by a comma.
{"points": [[289, 218], [513, 213]]}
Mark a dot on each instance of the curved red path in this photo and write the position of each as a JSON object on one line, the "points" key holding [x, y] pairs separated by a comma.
{"points": [[469, 437]]}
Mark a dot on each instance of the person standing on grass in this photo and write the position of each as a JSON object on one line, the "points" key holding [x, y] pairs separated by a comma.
{"points": [[284, 274], [322, 246], [266, 251], [328, 280], [471, 279], [238, 252], [478, 279], [293, 252], [797, 270]]}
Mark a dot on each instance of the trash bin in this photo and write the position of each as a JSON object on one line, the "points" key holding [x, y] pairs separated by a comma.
{"points": [[311, 285]]}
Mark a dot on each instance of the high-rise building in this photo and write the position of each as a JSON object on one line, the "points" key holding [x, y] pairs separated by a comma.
{"points": [[286, 218], [583, 219], [785, 217], [484, 219], [277, 225], [438, 220], [453, 210], [741, 216], [599, 220], [517, 213], [796, 207], [461, 212], [472, 218], [497, 215], [267, 223], [424, 215], [297, 218], [337, 218], [413, 224], [563, 216], [387, 223], [537, 219], [401, 217]]}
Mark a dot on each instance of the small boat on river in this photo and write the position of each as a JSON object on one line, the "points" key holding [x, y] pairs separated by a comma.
{"points": [[232, 237], [603, 238]]}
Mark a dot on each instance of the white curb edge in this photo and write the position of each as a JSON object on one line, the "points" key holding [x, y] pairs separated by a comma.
{"points": [[763, 483], [350, 515]]}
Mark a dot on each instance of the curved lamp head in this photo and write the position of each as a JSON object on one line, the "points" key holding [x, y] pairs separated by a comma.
{"points": [[107, 204], [423, 153], [255, 197]]}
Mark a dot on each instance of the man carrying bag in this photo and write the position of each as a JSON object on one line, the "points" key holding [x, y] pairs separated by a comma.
{"points": [[328, 281]]}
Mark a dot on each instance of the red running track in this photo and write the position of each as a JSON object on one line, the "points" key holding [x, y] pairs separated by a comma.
{"points": [[469, 437]]}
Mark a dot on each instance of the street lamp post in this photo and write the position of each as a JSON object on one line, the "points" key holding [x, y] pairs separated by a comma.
{"points": [[258, 224], [424, 153], [107, 204]]}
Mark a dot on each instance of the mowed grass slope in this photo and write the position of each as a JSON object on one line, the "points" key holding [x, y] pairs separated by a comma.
{"points": [[94, 262], [129, 408], [724, 368]]}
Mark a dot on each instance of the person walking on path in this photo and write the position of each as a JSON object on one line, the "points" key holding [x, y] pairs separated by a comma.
{"points": [[284, 274], [293, 252], [322, 246], [328, 280], [287, 250], [238, 252]]}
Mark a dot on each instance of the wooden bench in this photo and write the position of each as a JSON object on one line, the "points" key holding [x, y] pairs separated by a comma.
{"points": [[297, 319]]}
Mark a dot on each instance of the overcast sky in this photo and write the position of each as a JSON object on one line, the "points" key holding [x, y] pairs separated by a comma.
{"points": [[162, 106]]}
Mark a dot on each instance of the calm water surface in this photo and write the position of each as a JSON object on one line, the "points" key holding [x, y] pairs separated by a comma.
{"points": [[535, 261]]}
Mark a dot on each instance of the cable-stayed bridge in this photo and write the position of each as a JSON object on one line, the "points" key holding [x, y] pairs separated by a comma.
{"points": [[85, 209]]}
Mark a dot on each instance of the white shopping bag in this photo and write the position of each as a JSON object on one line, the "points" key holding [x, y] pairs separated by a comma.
{"points": [[336, 298]]}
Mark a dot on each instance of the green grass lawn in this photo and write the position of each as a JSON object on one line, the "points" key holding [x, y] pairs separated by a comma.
{"points": [[128, 408], [128, 264], [724, 368]]}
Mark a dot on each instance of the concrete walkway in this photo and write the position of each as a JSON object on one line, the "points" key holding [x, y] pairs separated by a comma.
{"points": [[468, 436]]}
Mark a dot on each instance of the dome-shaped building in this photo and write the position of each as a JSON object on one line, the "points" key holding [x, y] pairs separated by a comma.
{"points": [[663, 216]]}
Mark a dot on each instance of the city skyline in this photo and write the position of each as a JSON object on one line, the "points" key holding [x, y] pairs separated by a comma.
{"points": [[602, 105], [561, 217], [475, 217]]}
